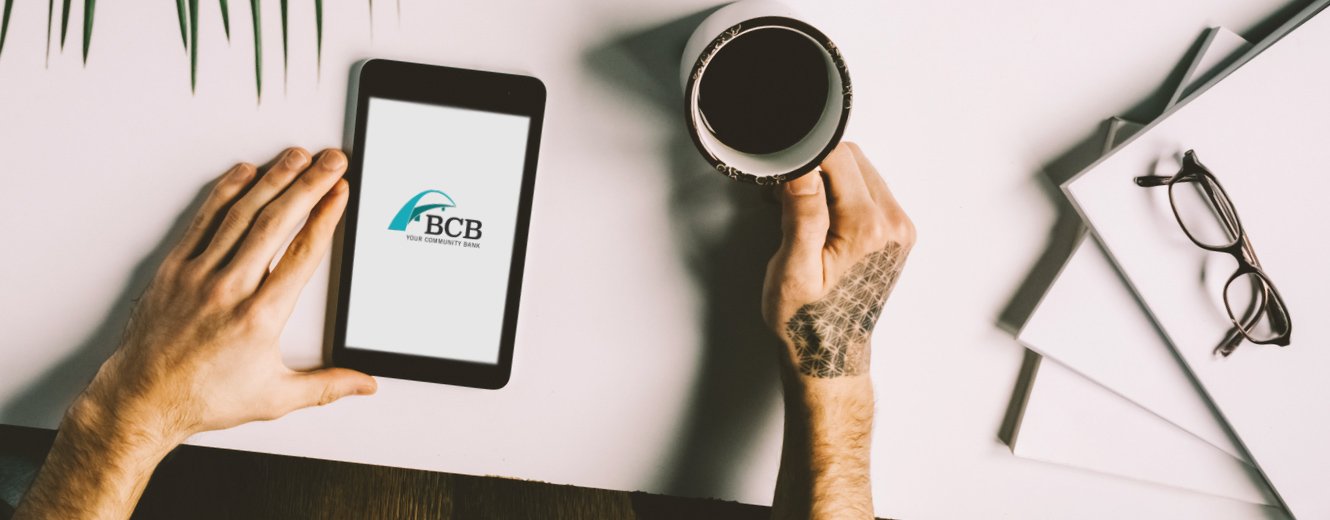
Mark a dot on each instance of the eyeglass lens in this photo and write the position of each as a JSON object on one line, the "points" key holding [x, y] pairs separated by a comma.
{"points": [[1255, 307], [1204, 211]]}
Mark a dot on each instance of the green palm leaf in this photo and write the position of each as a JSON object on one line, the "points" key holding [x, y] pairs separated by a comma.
{"points": [[318, 27], [258, 50], [50, 17], [4, 24], [64, 24], [89, 6], [226, 18], [284, 56], [182, 13], [193, 44]]}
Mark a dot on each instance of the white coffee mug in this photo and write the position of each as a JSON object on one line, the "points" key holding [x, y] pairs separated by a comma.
{"points": [[724, 26]]}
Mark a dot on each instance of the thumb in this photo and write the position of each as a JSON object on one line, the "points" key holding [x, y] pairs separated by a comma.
{"points": [[320, 387], [804, 216]]}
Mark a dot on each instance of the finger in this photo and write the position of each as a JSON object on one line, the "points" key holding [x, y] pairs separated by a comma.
{"points": [[849, 197], [275, 223], [855, 219], [227, 189], [877, 186], [306, 251], [804, 216], [898, 225], [798, 265], [238, 219], [323, 386]]}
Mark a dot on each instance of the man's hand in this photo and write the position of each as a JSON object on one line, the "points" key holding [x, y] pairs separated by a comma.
{"points": [[200, 352], [845, 240]]}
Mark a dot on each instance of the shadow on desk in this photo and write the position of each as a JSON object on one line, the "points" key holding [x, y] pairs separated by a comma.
{"points": [[45, 398], [725, 233]]}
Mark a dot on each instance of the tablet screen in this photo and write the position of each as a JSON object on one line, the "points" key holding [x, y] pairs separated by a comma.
{"points": [[439, 195]]}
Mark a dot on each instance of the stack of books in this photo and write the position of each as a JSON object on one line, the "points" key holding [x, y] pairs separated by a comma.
{"points": [[1127, 380]]}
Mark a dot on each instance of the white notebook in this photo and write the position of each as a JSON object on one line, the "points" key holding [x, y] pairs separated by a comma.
{"points": [[1072, 421], [1262, 130], [1089, 295]]}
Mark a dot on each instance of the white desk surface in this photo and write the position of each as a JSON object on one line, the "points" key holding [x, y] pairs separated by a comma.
{"points": [[639, 362]]}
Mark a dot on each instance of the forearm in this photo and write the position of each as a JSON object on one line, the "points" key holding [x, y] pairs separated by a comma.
{"points": [[824, 470], [98, 466]]}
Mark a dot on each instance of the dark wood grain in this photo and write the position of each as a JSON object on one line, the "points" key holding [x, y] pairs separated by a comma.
{"points": [[207, 483]]}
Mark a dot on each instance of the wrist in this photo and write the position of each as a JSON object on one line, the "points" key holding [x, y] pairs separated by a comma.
{"points": [[103, 456], [126, 414], [814, 397], [115, 427], [825, 458]]}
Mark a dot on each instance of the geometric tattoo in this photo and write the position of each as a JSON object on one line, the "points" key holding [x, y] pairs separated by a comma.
{"points": [[831, 335]]}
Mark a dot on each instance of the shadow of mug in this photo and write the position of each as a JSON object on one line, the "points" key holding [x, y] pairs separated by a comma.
{"points": [[725, 232]]}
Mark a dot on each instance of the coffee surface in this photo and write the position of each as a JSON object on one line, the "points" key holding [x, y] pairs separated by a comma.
{"points": [[764, 90]]}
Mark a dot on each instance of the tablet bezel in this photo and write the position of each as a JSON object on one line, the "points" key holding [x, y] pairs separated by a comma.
{"points": [[453, 87]]}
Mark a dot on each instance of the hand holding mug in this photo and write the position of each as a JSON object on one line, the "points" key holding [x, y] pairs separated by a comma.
{"points": [[845, 241]]}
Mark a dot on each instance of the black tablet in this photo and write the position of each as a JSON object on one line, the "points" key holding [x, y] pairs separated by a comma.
{"points": [[443, 165]]}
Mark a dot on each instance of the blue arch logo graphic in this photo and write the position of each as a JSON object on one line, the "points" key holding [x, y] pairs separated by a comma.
{"points": [[414, 208]]}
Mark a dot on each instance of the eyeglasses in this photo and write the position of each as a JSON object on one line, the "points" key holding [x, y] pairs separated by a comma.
{"points": [[1206, 215]]}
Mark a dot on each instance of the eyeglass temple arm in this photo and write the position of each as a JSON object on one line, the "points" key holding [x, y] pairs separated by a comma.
{"points": [[1230, 342], [1151, 181]]}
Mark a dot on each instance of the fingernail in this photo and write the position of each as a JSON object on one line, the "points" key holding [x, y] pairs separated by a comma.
{"points": [[294, 158], [242, 171], [333, 160], [806, 185]]}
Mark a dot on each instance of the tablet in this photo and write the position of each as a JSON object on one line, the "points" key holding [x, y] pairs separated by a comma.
{"points": [[442, 170]]}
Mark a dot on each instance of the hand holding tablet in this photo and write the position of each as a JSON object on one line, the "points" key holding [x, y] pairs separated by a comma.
{"points": [[442, 172]]}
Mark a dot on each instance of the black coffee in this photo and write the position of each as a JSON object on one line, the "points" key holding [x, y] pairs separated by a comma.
{"points": [[764, 90]]}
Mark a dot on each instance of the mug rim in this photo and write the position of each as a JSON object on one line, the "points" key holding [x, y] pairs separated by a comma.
{"points": [[719, 42]]}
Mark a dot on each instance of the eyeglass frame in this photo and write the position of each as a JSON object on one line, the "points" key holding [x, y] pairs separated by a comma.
{"points": [[1240, 249]]}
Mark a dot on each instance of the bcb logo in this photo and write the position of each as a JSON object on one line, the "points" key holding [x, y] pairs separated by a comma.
{"points": [[452, 227]]}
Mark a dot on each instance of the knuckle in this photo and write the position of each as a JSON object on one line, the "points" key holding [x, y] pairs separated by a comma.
{"points": [[189, 276], [267, 222], [904, 232], [326, 395], [202, 218], [872, 232], [255, 316], [236, 218], [298, 250], [220, 292], [310, 181], [278, 178]]}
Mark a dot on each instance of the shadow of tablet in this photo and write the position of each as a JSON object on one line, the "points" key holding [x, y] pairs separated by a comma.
{"points": [[725, 233]]}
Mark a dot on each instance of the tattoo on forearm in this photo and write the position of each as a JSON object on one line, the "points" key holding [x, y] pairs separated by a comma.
{"points": [[831, 335]]}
